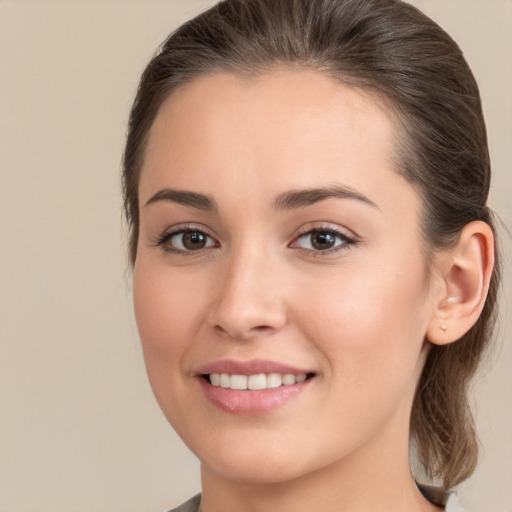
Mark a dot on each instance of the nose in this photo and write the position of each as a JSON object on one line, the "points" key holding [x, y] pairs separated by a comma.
{"points": [[249, 300]]}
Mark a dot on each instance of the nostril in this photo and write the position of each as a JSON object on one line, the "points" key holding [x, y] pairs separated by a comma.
{"points": [[239, 333], [262, 328]]}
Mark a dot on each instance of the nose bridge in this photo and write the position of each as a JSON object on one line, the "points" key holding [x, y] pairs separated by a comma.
{"points": [[248, 300]]}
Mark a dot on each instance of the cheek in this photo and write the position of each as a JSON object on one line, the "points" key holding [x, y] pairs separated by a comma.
{"points": [[370, 322], [370, 337], [165, 312]]}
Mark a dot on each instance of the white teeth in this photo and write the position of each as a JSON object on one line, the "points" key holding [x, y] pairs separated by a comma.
{"points": [[255, 382], [274, 380], [238, 382], [288, 379]]}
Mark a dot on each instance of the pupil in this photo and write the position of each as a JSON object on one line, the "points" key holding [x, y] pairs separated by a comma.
{"points": [[194, 240], [323, 240]]}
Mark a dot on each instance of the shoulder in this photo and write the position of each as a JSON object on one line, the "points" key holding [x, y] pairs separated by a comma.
{"points": [[192, 505], [453, 505], [434, 494]]}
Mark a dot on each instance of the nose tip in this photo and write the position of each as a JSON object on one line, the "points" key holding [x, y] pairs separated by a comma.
{"points": [[242, 327], [247, 304]]}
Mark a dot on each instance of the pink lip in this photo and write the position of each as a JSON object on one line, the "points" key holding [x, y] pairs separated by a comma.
{"points": [[251, 367], [247, 402]]}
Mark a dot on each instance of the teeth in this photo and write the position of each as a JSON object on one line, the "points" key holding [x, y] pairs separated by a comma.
{"points": [[238, 382], [288, 379], [255, 382], [274, 380], [224, 380]]}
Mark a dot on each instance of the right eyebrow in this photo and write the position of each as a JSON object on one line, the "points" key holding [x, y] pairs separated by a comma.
{"points": [[185, 198], [302, 198]]}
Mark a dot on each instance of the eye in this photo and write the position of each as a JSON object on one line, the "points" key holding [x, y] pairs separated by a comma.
{"points": [[322, 240], [186, 240]]}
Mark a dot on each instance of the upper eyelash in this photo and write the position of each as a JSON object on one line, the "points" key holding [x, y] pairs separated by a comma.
{"points": [[331, 230], [162, 239], [347, 239], [166, 236]]}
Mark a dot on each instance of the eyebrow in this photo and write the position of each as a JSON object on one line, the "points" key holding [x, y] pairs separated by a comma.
{"points": [[301, 198], [290, 200], [185, 198]]}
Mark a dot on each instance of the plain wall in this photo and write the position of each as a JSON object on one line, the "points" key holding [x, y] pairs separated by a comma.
{"points": [[79, 428]]}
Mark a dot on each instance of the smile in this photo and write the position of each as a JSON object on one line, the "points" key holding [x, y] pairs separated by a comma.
{"points": [[252, 387], [255, 382]]}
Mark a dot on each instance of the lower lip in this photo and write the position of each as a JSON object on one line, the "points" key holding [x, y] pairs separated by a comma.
{"points": [[248, 402]]}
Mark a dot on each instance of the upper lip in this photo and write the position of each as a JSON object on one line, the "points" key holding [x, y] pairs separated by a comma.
{"points": [[251, 367]]}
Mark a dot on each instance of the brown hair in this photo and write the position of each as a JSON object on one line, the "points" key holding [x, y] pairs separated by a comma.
{"points": [[389, 47]]}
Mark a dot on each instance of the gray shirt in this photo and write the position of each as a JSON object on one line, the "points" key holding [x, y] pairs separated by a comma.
{"points": [[436, 495]]}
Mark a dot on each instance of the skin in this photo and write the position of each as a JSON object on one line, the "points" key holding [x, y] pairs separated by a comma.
{"points": [[356, 316]]}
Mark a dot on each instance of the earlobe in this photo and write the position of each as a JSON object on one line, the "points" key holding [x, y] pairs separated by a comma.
{"points": [[465, 271]]}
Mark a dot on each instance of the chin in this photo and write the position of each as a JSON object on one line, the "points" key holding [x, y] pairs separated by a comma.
{"points": [[261, 463], [254, 470]]}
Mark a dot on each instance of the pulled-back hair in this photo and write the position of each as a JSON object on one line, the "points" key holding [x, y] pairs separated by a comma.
{"points": [[391, 48]]}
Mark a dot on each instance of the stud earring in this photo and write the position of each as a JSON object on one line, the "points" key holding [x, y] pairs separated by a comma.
{"points": [[443, 328]]}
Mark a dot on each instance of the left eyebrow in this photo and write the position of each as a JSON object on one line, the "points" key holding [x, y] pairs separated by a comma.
{"points": [[185, 198], [301, 198]]}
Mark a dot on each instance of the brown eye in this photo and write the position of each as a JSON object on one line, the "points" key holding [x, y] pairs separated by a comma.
{"points": [[193, 240], [319, 240], [322, 240], [187, 241]]}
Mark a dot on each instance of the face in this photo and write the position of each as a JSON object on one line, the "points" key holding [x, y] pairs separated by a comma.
{"points": [[279, 249]]}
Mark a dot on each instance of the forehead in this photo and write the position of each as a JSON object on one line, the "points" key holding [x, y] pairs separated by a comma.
{"points": [[296, 103], [284, 129]]}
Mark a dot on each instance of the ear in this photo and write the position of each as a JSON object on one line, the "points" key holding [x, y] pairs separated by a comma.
{"points": [[464, 273]]}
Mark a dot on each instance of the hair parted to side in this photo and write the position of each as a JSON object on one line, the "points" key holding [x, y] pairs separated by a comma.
{"points": [[391, 48]]}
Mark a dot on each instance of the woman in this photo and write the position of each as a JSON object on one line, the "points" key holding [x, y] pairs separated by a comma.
{"points": [[315, 272]]}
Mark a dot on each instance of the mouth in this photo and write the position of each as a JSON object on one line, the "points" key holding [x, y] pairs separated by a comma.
{"points": [[254, 387], [255, 382]]}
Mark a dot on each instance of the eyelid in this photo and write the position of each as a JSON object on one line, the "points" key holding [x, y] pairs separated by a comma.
{"points": [[172, 231], [308, 229], [325, 226]]}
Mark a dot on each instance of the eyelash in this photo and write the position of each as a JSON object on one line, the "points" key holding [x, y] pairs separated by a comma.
{"points": [[345, 241], [163, 240]]}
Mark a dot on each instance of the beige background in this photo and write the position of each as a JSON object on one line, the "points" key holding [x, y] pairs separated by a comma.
{"points": [[79, 429]]}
